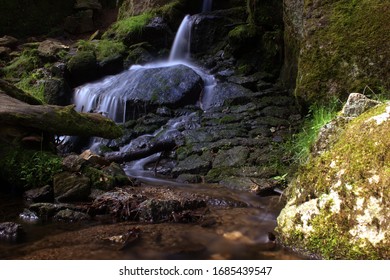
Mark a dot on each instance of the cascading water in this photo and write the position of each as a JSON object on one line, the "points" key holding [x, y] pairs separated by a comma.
{"points": [[109, 96], [182, 43]]}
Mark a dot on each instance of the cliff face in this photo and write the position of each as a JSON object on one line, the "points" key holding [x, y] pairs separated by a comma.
{"points": [[341, 46]]}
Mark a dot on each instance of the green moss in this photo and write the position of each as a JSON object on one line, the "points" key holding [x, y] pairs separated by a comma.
{"points": [[242, 35], [348, 52], [355, 168], [102, 48], [128, 26], [82, 61], [26, 62]]}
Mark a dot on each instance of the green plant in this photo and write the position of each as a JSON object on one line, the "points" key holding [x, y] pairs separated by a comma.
{"points": [[39, 170], [299, 145]]}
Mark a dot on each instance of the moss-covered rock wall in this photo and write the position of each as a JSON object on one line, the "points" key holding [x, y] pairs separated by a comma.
{"points": [[344, 47]]}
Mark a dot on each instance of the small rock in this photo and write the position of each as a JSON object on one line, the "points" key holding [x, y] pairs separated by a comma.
{"points": [[44, 194], [50, 48], [357, 104], [68, 215], [94, 159], [73, 163], [11, 231]]}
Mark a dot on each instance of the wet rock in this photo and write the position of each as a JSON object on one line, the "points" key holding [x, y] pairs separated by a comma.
{"points": [[145, 89], [158, 33], [194, 164], [357, 104], [211, 28], [44, 194], [224, 91], [69, 187], [10, 231], [28, 216], [68, 215], [47, 211]]}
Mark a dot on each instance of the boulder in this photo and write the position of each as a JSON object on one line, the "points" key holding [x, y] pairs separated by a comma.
{"points": [[141, 90], [83, 68], [70, 187], [339, 202], [224, 91]]}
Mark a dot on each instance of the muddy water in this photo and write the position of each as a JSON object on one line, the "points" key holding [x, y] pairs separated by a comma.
{"points": [[232, 226]]}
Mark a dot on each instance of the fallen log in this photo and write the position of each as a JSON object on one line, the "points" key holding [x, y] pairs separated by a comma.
{"points": [[55, 119]]}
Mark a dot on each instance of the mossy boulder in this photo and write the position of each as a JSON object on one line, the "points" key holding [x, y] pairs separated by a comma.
{"points": [[83, 68], [338, 205], [344, 48]]}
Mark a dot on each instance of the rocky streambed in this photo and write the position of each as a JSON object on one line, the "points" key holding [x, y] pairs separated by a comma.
{"points": [[210, 194], [151, 222]]}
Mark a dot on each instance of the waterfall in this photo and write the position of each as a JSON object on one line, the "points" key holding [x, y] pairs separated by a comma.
{"points": [[181, 45], [207, 4]]}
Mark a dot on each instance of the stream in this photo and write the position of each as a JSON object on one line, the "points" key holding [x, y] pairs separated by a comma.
{"points": [[233, 225]]}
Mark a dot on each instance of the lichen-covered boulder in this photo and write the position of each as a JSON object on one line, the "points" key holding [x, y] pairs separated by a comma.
{"points": [[339, 204]]}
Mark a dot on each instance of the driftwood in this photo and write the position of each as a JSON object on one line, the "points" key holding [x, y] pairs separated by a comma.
{"points": [[53, 119]]}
